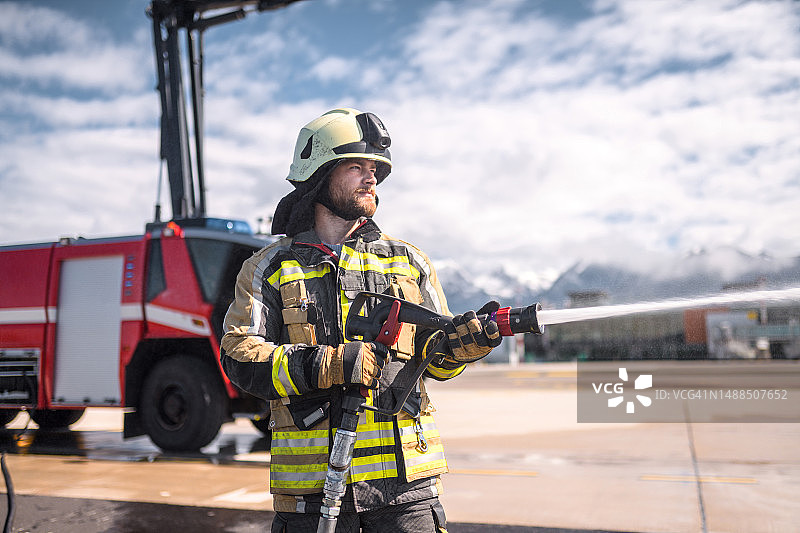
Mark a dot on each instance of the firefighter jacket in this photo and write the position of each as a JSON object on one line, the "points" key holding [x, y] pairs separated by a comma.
{"points": [[291, 302]]}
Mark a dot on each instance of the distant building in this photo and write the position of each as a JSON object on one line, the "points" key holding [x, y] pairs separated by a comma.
{"points": [[753, 330], [587, 298]]}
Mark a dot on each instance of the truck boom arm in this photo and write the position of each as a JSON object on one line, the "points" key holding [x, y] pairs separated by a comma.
{"points": [[170, 17]]}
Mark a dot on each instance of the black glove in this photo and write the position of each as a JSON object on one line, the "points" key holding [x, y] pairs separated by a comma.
{"points": [[469, 340]]}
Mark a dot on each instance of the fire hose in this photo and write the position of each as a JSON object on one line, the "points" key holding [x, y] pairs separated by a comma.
{"points": [[9, 495], [383, 324]]}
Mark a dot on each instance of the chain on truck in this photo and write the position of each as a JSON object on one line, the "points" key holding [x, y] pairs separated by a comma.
{"points": [[135, 322]]}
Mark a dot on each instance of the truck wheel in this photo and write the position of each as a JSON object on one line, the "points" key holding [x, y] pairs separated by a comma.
{"points": [[183, 404], [7, 415], [56, 418]]}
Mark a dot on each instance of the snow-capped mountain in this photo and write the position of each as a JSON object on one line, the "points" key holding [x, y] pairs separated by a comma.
{"points": [[699, 273], [467, 290]]}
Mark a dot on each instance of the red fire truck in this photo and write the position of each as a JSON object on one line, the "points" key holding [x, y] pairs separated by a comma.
{"points": [[128, 322], [135, 322]]}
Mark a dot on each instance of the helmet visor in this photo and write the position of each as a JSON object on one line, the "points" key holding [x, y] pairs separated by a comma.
{"points": [[374, 138]]}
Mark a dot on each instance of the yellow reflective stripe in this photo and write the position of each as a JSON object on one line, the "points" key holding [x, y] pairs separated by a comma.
{"points": [[380, 434], [299, 434], [412, 436], [299, 437], [363, 261], [298, 450], [367, 476], [415, 461], [344, 304], [378, 458], [300, 442], [373, 426], [445, 374], [274, 279], [296, 484], [312, 443], [373, 467], [281, 379], [413, 457], [371, 443], [291, 270], [317, 467], [406, 426], [371, 434], [434, 460]]}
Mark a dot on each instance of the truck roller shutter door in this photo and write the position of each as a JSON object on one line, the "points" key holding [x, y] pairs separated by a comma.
{"points": [[88, 331]]}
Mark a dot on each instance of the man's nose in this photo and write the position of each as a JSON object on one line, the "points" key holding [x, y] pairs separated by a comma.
{"points": [[368, 177]]}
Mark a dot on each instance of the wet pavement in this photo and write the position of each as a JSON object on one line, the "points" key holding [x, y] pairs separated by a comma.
{"points": [[44, 514], [237, 443], [71, 515], [519, 462]]}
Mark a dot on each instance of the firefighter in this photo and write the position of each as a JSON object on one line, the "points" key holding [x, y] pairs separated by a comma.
{"points": [[284, 338]]}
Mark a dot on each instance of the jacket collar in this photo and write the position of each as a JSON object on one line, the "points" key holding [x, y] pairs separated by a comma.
{"points": [[308, 247]]}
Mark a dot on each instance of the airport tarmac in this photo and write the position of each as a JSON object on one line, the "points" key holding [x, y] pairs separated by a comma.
{"points": [[519, 462]]}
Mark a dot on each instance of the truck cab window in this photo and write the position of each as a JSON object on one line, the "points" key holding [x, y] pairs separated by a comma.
{"points": [[210, 259]]}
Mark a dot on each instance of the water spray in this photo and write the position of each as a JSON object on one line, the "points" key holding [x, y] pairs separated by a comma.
{"points": [[563, 316], [383, 320]]}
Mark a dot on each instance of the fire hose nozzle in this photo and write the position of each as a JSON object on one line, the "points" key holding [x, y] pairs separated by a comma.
{"points": [[512, 320]]}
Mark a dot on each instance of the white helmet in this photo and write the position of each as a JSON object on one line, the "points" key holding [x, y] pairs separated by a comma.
{"points": [[341, 134]]}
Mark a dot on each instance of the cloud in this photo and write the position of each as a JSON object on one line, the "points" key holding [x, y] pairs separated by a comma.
{"points": [[42, 46], [665, 123], [520, 134], [52, 111], [95, 182], [31, 25], [333, 68]]}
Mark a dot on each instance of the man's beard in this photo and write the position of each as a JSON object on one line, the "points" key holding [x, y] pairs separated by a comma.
{"points": [[348, 206]]}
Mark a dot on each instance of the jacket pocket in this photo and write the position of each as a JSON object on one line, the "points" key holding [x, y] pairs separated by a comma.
{"points": [[423, 453], [300, 445], [405, 287]]}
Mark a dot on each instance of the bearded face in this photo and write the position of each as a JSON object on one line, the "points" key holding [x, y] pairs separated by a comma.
{"points": [[351, 189]]}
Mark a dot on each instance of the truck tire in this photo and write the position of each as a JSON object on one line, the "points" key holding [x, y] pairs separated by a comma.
{"points": [[56, 418], [183, 404], [7, 415]]}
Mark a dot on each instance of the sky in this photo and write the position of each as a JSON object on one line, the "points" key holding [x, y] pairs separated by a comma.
{"points": [[530, 134]]}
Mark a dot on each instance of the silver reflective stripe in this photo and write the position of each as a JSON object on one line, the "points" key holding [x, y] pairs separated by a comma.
{"points": [[257, 304], [298, 476], [301, 443], [313, 417], [286, 381], [376, 434], [408, 430], [287, 271], [357, 375], [426, 268], [371, 259], [373, 467], [424, 458], [257, 308]]}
